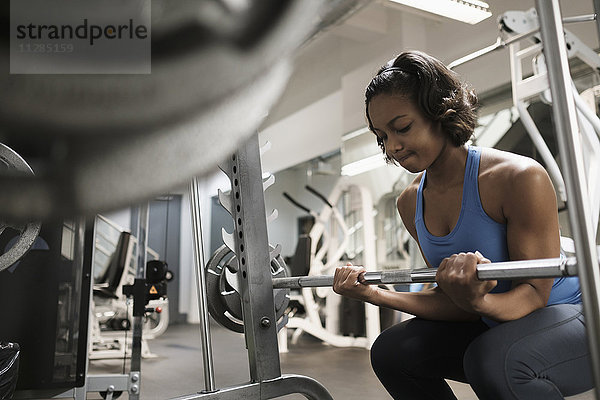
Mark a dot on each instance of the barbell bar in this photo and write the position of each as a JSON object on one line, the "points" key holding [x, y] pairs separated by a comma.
{"points": [[541, 268]]}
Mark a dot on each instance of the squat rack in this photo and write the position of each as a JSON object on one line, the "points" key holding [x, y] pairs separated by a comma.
{"points": [[246, 205], [565, 119]]}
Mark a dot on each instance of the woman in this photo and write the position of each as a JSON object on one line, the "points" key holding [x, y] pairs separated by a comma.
{"points": [[520, 339]]}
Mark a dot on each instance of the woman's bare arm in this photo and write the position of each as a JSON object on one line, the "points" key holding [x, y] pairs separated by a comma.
{"points": [[430, 304], [529, 207]]}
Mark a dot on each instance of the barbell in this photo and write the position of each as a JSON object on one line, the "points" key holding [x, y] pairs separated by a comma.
{"points": [[541, 268], [224, 300]]}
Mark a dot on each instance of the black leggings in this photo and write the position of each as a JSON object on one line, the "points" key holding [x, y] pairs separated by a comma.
{"points": [[541, 356]]}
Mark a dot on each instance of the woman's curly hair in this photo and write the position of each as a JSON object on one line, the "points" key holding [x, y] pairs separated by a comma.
{"points": [[433, 88]]}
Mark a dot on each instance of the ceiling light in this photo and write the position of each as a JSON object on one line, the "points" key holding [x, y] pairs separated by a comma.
{"points": [[363, 165], [469, 11]]}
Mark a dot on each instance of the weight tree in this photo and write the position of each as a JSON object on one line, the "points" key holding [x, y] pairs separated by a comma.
{"points": [[250, 244]]}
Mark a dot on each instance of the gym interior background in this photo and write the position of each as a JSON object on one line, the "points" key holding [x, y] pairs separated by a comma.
{"points": [[319, 144]]}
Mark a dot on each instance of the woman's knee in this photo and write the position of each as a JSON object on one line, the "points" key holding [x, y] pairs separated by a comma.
{"points": [[485, 367], [476, 360], [396, 347], [384, 350], [517, 356], [378, 355]]}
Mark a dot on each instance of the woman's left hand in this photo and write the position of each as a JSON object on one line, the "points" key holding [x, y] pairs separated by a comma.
{"points": [[457, 278]]}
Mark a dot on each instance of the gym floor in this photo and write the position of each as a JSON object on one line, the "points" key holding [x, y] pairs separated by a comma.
{"points": [[177, 369]]}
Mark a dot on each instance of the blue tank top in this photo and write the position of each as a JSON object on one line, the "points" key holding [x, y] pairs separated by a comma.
{"points": [[476, 231]]}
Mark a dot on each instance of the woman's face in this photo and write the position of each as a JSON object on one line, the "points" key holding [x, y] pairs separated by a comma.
{"points": [[410, 138]]}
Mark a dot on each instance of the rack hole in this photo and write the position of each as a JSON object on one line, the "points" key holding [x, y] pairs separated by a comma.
{"points": [[241, 247], [241, 234], [235, 182], [243, 261], [234, 169], [238, 208], [244, 274]]}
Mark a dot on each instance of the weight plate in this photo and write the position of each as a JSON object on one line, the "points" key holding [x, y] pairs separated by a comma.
{"points": [[156, 271], [12, 163], [217, 295], [224, 303], [115, 394]]}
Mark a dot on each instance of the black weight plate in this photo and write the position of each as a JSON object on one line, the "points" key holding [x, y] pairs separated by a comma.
{"points": [[224, 302], [217, 302], [156, 271]]}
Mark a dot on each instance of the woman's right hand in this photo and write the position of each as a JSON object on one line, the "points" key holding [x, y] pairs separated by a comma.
{"points": [[346, 281]]}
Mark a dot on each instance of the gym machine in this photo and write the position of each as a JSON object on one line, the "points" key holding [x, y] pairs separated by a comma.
{"points": [[518, 26], [148, 284], [331, 237], [115, 269]]}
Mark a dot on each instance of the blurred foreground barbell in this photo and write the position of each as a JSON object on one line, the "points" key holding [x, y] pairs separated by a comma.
{"points": [[103, 141]]}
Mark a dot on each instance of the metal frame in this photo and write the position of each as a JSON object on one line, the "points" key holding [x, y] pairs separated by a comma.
{"points": [[118, 346], [247, 207], [209, 375], [538, 85], [501, 44], [138, 321], [130, 383], [522, 25], [523, 90], [565, 118]]}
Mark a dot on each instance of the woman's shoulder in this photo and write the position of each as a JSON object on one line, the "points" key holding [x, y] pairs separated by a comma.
{"points": [[409, 194], [407, 200], [498, 166], [507, 180]]}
